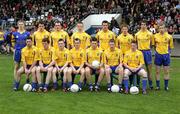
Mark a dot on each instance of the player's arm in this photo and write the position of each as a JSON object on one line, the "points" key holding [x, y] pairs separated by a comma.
{"points": [[88, 41], [23, 60], [141, 63], [12, 41], [86, 59], [171, 43], [101, 60], [120, 58], [36, 58], [82, 62], [53, 62]]}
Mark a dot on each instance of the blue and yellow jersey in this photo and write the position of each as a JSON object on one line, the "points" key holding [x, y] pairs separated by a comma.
{"points": [[84, 37], [62, 56], [113, 58], [56, 35], [19, 39], [133, 59], [124, 42], [47, 56], [92, 55], [104, 37], [77, 57], [38, 37], [29, 55], [144, 40], [163, 42], [1, 36]]}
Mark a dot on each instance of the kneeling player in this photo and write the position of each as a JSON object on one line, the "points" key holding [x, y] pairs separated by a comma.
{"points": [[46, 63], [77, 60], [113, 64], [61, 64], [133, 63], [94, 53], [29, 58]]}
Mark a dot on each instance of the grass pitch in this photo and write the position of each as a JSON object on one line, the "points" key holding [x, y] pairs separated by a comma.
{"points": [[155, 102]]}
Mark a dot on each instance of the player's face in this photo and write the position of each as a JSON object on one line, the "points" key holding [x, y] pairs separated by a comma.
{"points": [[161, 29], [77, 44], [45, 45], [94, 44], [41, 27], [80, 27], [61, 44], [29, 43], [124, 30], [58, 26], [21, 25], [105, 26], [143, 26], [133, 46], [112, 44]]}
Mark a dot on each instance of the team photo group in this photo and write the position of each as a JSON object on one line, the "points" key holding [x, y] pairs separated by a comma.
{"points": [[54, 60]]}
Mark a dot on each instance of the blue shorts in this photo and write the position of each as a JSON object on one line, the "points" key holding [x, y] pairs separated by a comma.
{"points": [[45, 65], [162, 59], [147, 56], [17, 56], [76, 67], [1, 42], [28, 67], [113, 68]]}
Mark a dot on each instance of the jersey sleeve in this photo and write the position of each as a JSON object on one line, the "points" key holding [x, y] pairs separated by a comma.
{"points": [[171, 44], [88, 40]]}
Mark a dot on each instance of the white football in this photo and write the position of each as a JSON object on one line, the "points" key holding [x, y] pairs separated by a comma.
{"points": [[74, 88], [27, 87], [134, 90], [115, 88], [95, 63]]}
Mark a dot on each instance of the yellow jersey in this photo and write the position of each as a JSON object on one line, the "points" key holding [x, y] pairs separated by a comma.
{"points": [[133, 59], [92, 55], [47, 56], [113, 58], [30, 55], [104, 37], [38, 37], [77, 57], [1, 36], [144, 40], [62, 56], [163, 43], [56, 35], [84, 37], [124, 42]]}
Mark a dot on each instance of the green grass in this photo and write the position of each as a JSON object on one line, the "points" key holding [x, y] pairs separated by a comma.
{"points": [[159, 102]]}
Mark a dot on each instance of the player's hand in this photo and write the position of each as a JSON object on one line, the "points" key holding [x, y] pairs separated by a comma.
{"points": [[77, 71], [26, 71], [46, 68]]}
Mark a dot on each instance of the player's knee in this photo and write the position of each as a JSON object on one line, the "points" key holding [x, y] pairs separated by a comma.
{"points": [[54, 71], [144, 74], [102, 71]]}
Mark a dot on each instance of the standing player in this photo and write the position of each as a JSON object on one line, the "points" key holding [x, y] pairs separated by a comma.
{"points": [[124, 40], [113, 64], [83, 36], [163, 42], [29, 58], [57, 34], [133, 63], [19, 41], [144, 40], [39, 35], [94, 53], [104, 36], [77, 59], [46, 62], [61, 65]]}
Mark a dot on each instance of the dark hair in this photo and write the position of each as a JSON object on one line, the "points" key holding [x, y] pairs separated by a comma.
{"points": [[57, 22], [29, 38], [60, 40], [77, 39], [94, 39], [111, 41], [143, 21], [133, 42], [41, 22], [46, 40], [105, 21]]}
